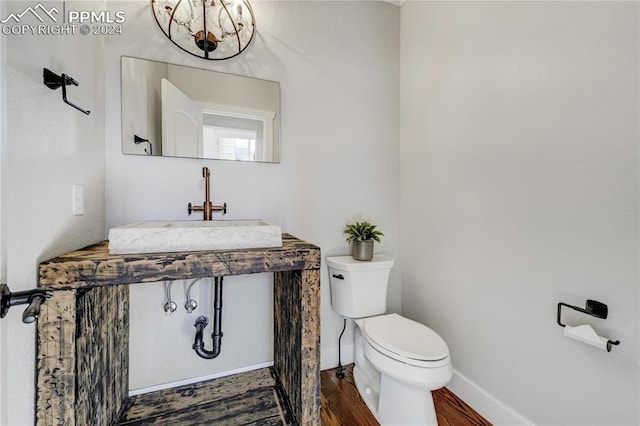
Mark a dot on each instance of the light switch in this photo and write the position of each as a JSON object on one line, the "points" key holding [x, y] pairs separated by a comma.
{"points": [[78, 200]]}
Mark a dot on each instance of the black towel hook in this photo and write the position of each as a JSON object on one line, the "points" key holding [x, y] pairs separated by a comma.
{"points": [[54, 81]]}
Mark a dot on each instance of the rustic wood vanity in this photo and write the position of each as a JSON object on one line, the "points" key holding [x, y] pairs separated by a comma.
{"points": [[83, 328]]}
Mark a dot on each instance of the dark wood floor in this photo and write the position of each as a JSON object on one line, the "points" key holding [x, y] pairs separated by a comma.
{"points": [[342, 405], [256, 398], [251, 398]]}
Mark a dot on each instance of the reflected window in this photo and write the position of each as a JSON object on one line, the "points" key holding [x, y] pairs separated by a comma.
{"points": [[232, 138], [229, 144]]}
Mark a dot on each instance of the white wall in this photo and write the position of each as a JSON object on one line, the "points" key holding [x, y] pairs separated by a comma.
{"points": [[47, 147], [520, 190], [338, 66]]}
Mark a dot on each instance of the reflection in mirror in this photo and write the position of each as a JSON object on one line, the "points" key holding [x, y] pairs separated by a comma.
{"points": [[177, 111]]}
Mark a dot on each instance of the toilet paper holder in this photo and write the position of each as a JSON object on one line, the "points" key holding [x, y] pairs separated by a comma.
{"points": [[593, 308]]}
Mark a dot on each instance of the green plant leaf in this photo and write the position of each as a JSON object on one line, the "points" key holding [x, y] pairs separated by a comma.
{"points": [[361, 231]]}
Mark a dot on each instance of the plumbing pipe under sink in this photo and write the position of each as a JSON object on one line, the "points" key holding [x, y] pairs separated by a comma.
{"points": [[203, 321]]}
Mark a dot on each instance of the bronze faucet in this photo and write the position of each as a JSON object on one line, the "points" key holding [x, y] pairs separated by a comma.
{"points": [[207, 208]]}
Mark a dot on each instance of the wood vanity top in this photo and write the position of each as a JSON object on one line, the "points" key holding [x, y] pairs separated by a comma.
{"points": [[93, 266]]}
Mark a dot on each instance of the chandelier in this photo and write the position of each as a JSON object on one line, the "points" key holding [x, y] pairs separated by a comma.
{"points": [[209, 29]]}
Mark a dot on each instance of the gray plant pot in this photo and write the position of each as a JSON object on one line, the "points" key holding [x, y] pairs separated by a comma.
{"points": [[362, 250]]}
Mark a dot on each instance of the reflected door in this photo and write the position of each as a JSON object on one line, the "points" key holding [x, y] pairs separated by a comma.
{"points": [[181, 123]]}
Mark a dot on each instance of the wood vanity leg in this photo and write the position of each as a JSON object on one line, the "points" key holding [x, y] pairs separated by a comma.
{"points": [[102, 348], [297, 341], [83, 357], [56, 360]]}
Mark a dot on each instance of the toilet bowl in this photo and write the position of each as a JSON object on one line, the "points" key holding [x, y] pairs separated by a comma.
{"points": [[398, 362]]}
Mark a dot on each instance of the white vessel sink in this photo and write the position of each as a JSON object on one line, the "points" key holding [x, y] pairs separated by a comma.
{"points": [[172, 236]]}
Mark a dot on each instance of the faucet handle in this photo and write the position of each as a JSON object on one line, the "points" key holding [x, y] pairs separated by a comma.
{"points": [[221, 209]]}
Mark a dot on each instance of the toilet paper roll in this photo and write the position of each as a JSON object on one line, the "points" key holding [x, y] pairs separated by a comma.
{"points": [[586, 334]]}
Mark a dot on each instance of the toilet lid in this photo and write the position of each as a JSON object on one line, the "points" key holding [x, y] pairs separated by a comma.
{"points": [[404, 337]]}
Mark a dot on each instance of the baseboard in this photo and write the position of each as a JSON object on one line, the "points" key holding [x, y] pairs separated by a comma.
{"points": [[139, 391], [485, 404], [329, 357]]}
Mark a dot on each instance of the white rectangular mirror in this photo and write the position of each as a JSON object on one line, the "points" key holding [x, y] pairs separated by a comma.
{"points": [[176, 111]]}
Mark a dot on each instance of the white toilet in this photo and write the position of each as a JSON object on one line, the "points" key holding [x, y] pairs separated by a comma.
{"points": [[398, 362]]}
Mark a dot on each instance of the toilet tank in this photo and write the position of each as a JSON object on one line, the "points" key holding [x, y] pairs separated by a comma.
{"points": [[359, 288]]}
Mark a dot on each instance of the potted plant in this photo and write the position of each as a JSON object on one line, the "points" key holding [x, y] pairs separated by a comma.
{"points": [[361, 235]]}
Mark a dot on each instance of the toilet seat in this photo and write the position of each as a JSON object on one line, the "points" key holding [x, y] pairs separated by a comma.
{"points": [[405, 340]]}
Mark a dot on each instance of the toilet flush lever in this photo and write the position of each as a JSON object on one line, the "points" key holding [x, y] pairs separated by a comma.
{"points": [[339, 276]]}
